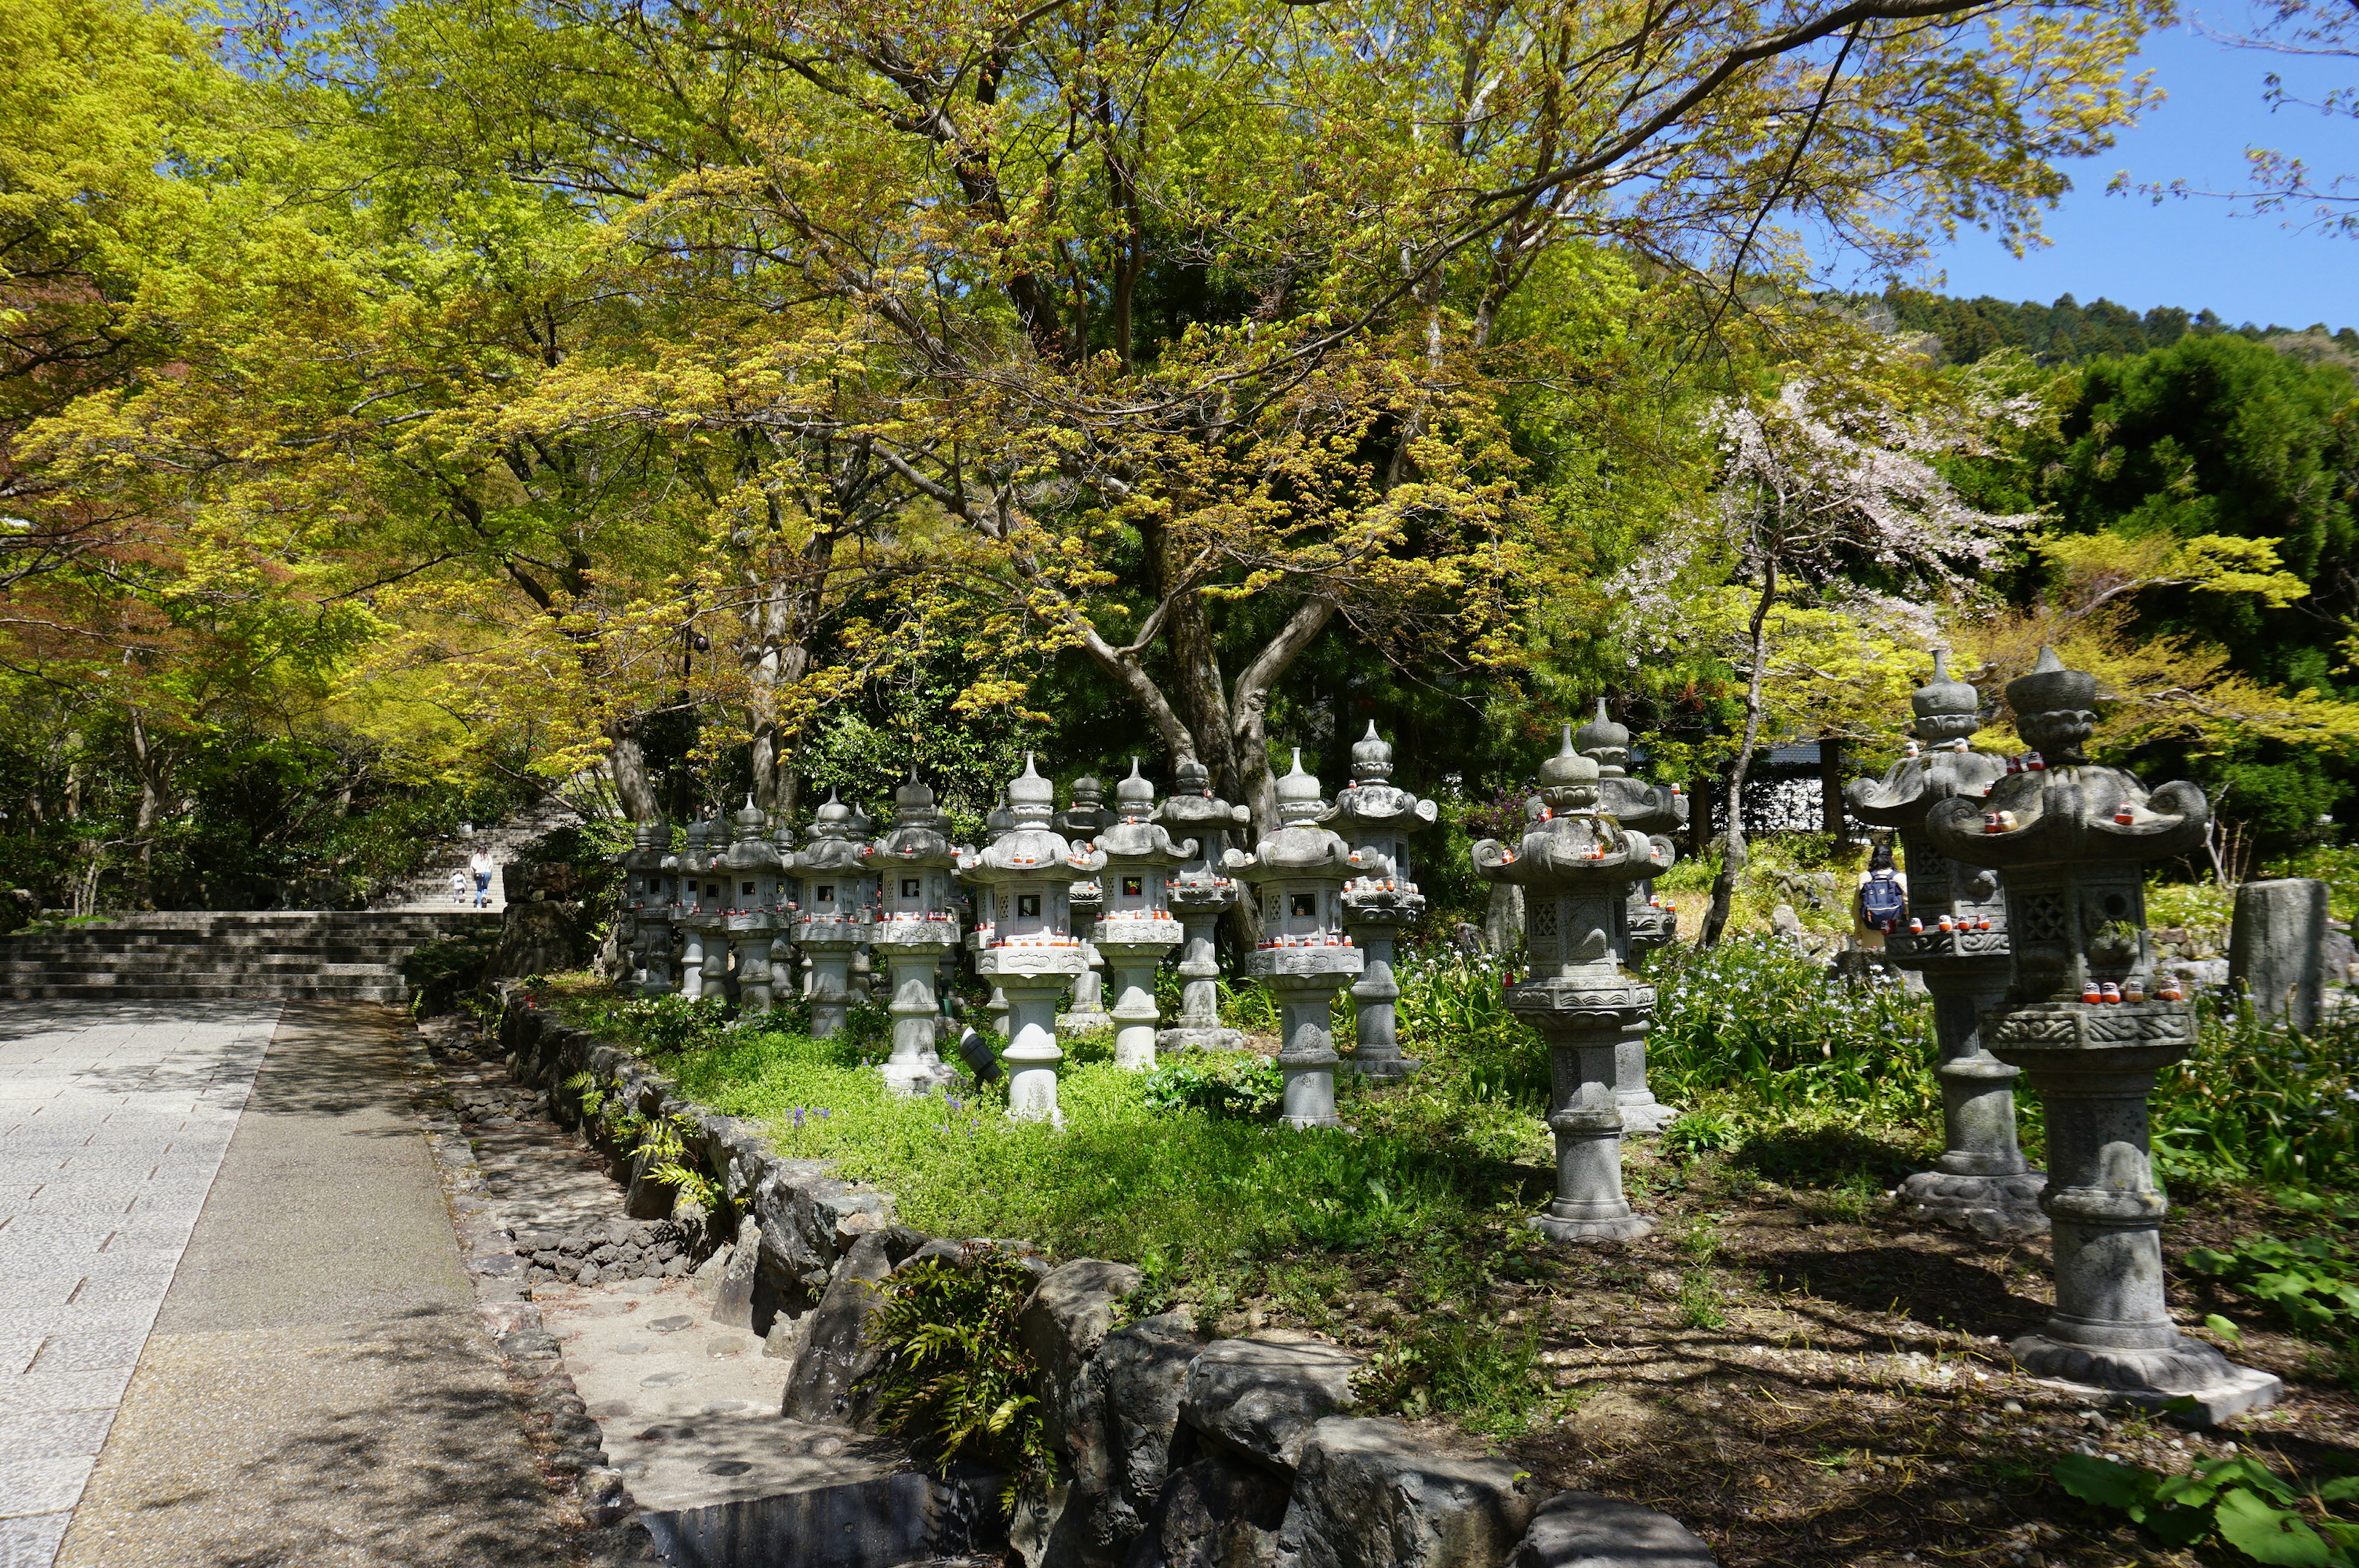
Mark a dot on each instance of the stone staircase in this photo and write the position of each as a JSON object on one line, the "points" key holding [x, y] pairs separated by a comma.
{"points": [[429, 887], [270, 955]]}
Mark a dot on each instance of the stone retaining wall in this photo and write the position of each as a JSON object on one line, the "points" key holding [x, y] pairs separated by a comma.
{"points": [[1174, 1451]]}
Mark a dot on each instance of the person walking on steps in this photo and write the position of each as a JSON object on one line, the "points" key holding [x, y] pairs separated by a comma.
{"points": [[457, 885], [482, 866]]}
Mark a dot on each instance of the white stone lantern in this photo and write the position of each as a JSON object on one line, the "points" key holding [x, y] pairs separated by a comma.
{"points": [[1135, 927], [1201, 893], [1024, 881], [1084, 816], [756, 901], [839, 892], [1297, 875], [1375, 818], [915, 924], [704, 955]]}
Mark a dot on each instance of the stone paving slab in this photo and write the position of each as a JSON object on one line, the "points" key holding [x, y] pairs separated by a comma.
{"points": [[113, 1118]]}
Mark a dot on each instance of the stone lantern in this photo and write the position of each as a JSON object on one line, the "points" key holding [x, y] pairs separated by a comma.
{"points": [[917, 923], [702, 924], [787, 968], [837, 891], [1027, 949], [1576, 867], [1955, 933], [646, 911], [1657, 811], [1084, 814], [1377, 818], [1201, 893], [2091, 1020], [755, 904], [1297, 875], [1135, 928]]}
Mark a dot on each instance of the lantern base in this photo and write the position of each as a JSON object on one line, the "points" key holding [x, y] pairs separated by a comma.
{"points": [[1392, 1068], [2152, 1380], [1993, 1208], [1629, 1227], [1191, 1037]]}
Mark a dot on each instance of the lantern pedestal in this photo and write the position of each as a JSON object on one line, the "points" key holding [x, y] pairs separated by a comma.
{"points": [[1371, 919], [1650, 926], [1132, 949], [691, 957], [1034, 982], [1199, 1027], [911, 961], [1088, 1015], [1305, 980], [830, 944], [1586, 1028], [2094, 1068], [750, 937], [1981, 1183]]}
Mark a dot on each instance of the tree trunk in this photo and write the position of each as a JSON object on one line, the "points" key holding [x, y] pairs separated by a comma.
{"points": [[1699, 792], [1831, 790], [1733, 853], [633, 784], [150, 766]]}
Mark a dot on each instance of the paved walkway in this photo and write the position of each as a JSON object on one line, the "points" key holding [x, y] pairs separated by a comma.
{"points": [[316, 1388]]}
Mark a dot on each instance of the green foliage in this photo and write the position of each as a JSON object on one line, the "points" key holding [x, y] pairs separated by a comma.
{"points": [[2255, 1103], [2237, 1501], [2312, 1282], [662, 1148], [1240, 1085], [1491, 1381], [956, 1378], [459, 957]]}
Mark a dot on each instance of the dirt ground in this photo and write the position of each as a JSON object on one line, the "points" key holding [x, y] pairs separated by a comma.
{"points": [[1803, 1381]]}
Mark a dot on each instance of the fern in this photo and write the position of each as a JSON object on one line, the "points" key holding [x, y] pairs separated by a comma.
{"points": [[956, 1379]]}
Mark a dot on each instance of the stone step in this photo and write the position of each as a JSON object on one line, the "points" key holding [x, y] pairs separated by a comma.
{"points": [[290, 992], [318, 952], [259, 973]]}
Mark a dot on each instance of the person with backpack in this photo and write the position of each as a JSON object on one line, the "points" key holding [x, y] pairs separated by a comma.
{"points": [[482, 865], [1882, 903]]}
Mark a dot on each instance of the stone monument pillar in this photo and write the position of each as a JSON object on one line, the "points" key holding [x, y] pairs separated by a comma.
{"points": [[659, 922], [1201, 893], [833, 921], [751, 912], [699, 910], [916, 924], [2276, 948], [2087, 1017], [1375, 819], [1657, 811], [1084, 814], [1135, 928], [1575, 868], [1297, 875], [1027, 950], [1955, 935], [640, 916]]}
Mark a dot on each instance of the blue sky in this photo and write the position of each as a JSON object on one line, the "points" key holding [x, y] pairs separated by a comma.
{"points": [[2195, 253]]}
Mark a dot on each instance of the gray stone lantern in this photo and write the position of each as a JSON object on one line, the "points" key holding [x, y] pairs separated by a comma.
{"points": [[1025, 880], [1377, 818], [1305, 957], [838, 890], [1200, 892], [646, 913], [1575, 867], [1084, 814], [755, 904], [917, 923], [1657, 811], [699, 913], [1135, 928], [787, 977], [1954, 934], [2090, 1019]]}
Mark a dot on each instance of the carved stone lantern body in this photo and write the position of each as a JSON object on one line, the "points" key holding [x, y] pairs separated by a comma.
{"points": [[755, 900], [699, 915], [1955, 935], [1575, 867], [1377, 818], [646, 911], [2088, 1018], [1657, 811], [788, 971], [839, 892], [1084, 816], [1024, 881], [1202, 892], [917, 923], [1135, 928], [1297, 875]]}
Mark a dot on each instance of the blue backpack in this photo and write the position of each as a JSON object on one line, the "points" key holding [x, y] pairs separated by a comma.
{"points": [[1881, 902]]}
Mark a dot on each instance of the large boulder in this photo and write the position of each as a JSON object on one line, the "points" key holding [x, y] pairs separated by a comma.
{"points": [[828, 1384], [1582, 1529], [539, 939], [1143, 1371], [1062, 1324], [1216, 1513], [1372, 1493], [1258, 1398]]}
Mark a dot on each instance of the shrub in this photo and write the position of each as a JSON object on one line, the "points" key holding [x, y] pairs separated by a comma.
{"points": [[1241, 1085], [956, 1380], [2238, 1500]]}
